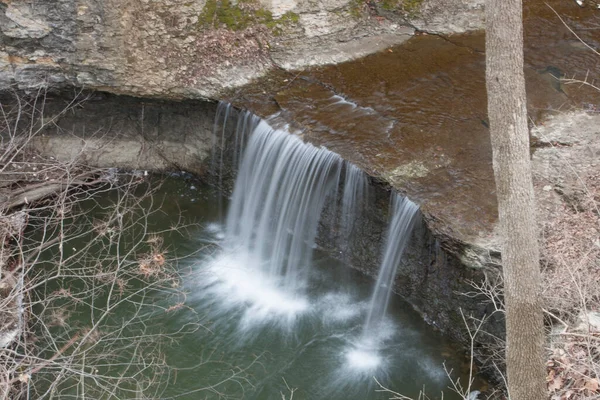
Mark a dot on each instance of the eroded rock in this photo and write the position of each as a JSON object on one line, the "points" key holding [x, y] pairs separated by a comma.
{"points": [[125, 132], [180, 49], [20, 23]]}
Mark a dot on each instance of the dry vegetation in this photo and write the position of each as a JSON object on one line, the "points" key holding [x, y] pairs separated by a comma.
{"points": [[571, 266], [567, 184], [571, 259], [69, 259]]}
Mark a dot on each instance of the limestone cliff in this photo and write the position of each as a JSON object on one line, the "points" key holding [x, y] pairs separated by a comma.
{"points": [[197, 48]]}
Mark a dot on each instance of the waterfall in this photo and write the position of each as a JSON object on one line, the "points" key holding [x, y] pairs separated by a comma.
{"points": [[246, 123], [281, 189], [399, 230], [257, 287], [363, 355], [354, 203], [279, 193]]}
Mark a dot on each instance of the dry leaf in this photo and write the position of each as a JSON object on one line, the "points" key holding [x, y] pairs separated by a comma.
{"points": [[555, 384], [592, 385], [579, 383]]}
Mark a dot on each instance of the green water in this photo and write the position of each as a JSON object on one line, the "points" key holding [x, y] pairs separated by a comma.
{"points": [[242, 350]]}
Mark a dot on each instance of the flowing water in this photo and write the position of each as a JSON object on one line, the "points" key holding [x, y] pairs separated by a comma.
{"points": [[278, 317], [262, 336], [355, 201], [366, 353], [260, 333], [399, 230], [276, 312], [277, 201]]}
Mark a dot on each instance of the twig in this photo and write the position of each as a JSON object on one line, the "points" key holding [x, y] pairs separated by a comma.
{"points": [[571, 30]]}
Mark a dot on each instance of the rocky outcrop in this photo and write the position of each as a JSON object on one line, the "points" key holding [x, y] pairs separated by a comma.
{"points": [[193, 49], [450, 16], [103, 130]]}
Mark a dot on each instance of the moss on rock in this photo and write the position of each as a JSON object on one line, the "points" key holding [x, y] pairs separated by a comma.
{"points": [[409, 8], [412, 7], [237, 16]]}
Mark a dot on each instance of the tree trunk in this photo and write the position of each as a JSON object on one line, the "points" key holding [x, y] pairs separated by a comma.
{"points": [[512, 169]]}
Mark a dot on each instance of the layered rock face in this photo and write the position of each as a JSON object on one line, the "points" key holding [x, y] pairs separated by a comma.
{"points": [[195, 49], [106, 131]]}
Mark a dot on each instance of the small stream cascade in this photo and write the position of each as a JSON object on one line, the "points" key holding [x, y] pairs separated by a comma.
{"points": [[364, 355], [404, 213], [355, 199], [245, 125]]}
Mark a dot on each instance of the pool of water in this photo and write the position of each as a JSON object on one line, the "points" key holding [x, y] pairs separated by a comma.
{"points": [[258, 342], [254, 340]]}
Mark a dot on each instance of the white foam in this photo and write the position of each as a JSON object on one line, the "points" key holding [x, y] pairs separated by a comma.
{"points": [[362, 359], [365, 355], [341, 101], [215, 230], [340, 307], [238, 282], [214, 227]]}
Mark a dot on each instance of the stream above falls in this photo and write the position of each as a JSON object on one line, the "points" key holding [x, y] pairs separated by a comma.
{"points": [[415, 114]]}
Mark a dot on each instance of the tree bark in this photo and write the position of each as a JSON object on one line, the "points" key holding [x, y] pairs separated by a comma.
{"points": [[507, 113]]}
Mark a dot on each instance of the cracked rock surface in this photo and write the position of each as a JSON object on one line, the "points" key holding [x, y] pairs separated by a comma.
{"points": [[164, 49]]}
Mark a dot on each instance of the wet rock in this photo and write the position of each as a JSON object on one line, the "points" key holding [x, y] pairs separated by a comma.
{"points": [[125, 132], [407, 172]]}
